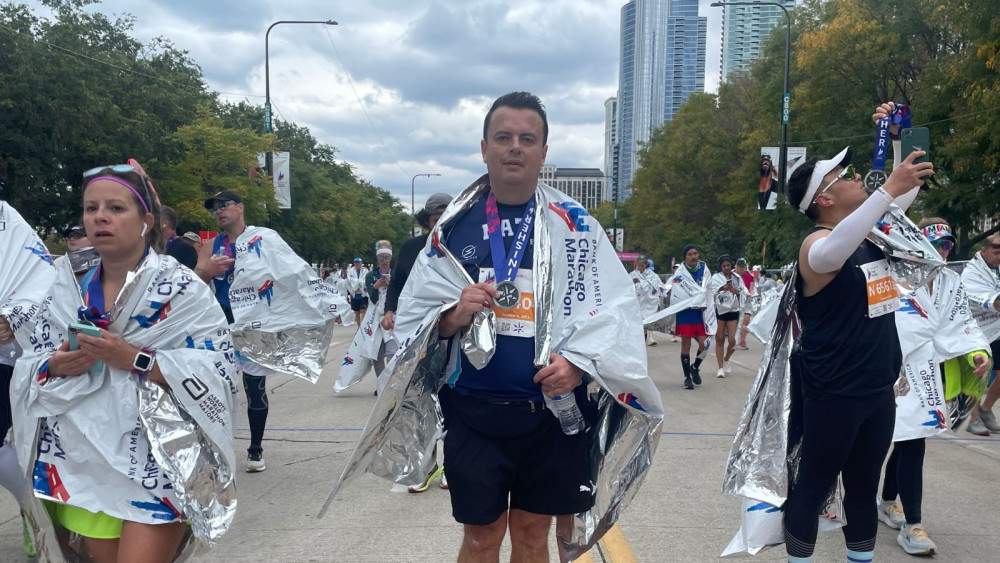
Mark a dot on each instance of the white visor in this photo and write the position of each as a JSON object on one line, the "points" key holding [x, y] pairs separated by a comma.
{"points": [[382, 251], [823, 167]]}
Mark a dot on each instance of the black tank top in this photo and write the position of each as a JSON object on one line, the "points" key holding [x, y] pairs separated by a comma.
{"points": [[841, 351]]}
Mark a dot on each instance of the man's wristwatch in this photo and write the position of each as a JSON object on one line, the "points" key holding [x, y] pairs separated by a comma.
{"points": [[143, 362]]}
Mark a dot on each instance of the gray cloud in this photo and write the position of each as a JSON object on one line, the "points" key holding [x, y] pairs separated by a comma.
{"points": [[426, 73]]}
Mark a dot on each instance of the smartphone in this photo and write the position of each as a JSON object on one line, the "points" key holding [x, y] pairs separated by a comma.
{"points": [[78, 328], [89, 330], [916, 139]]}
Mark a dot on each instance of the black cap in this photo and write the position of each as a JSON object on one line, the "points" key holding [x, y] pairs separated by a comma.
{"points": [[224, 195], [75, 230]]}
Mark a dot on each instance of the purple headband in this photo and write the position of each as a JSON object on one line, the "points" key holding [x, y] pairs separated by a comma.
{"points": [[124, 183]]}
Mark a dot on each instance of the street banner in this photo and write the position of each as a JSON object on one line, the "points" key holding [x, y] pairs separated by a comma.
{"points": [[282, 186]]}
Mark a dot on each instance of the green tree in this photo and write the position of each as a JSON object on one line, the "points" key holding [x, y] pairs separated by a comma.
{"points": [[79, 92]]}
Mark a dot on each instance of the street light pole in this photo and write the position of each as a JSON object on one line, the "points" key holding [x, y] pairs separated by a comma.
{"points": [[268, 157], [413, 205], [785, 94], [267, 67]]}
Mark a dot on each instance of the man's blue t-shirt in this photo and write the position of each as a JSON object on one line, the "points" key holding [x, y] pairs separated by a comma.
{"points": [[693, 316], [510, 372]]}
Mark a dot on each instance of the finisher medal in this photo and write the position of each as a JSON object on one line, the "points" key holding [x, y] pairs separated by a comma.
{"points": [[509, 295], [505, 265], [876, 177]]}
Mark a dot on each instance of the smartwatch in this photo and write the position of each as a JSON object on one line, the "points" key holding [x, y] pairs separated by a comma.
{"points": [[143, 362]]}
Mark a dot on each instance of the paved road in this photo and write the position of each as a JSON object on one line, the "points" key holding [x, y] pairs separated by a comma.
{"points": [[680, 515]]}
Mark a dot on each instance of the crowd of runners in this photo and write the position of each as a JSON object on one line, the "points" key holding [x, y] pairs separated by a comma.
{"points": [[122, 360]]}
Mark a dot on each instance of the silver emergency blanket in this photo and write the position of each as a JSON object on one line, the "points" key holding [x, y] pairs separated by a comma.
{"points": [[582, 297], [104, 440], [726, 301], [913, 261], [983, 287], [28, 272], [933, 327], [764, 308], [765, 449], [364, 349], [685, 293], [284, 313], [648, 289]]}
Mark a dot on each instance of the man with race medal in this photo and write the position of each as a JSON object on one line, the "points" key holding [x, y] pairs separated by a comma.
{"points": [[888, 127], [500, 376]]}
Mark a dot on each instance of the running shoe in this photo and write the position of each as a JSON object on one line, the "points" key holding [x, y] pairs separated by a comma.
{"points": [[989, 420], [673, 338], [435, 472], [255, 462], [890, 513], [913, 539], [688, 384], [728, 367], [650, 342], [977, 427], [444, 479], [721, 373], [741, 347], [695, 375]]}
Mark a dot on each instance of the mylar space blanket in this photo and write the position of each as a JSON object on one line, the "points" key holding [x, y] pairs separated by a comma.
{"points": [[284, 313], [585, 308]]}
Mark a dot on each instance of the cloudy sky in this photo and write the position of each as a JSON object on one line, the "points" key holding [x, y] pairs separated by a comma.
{"points": [[424, 73]]}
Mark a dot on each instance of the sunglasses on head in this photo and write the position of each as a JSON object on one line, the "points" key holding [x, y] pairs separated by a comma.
{"points": [[847, 174], [119, 169]]}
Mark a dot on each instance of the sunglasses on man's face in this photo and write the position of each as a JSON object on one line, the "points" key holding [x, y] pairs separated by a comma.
{"points": [[222, 206], [384, 259], [847, 174]]}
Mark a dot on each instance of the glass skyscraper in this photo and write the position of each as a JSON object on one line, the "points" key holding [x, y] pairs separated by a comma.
{"points": [[744, 30], [661, 62]]}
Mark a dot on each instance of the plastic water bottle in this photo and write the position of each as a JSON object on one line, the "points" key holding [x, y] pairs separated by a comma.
{"points": [[568, 413]]}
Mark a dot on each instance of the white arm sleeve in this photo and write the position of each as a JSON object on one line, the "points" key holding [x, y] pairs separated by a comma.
{"points": [[828, 254], [904, 201]]}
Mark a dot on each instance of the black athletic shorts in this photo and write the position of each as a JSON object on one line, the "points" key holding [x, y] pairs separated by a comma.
{"points": [[731, 316], [513, 455], [358, 303], [995, 352]]}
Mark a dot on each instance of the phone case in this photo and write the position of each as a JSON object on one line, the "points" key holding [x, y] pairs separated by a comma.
{"points": [[916, 139], [89, 331]]}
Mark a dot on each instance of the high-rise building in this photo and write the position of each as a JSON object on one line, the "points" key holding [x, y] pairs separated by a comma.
{"points": [[744, 30], [685, 60], [661, 62], [610, 146], [585, 185]]}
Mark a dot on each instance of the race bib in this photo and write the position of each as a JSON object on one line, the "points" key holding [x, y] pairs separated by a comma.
{"points": [[883, 297], [519, 320]]}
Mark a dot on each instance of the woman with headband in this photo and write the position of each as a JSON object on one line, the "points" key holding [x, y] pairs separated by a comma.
{"points": [[137, 349]]}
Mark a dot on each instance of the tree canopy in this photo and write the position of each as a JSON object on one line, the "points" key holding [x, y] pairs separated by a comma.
{"points": [[80, 91], [697, 176]]}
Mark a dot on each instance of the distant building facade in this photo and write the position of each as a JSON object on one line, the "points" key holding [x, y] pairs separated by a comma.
{"points": [[661, 63], [744, 31], [585, 185], [611, 150]]}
